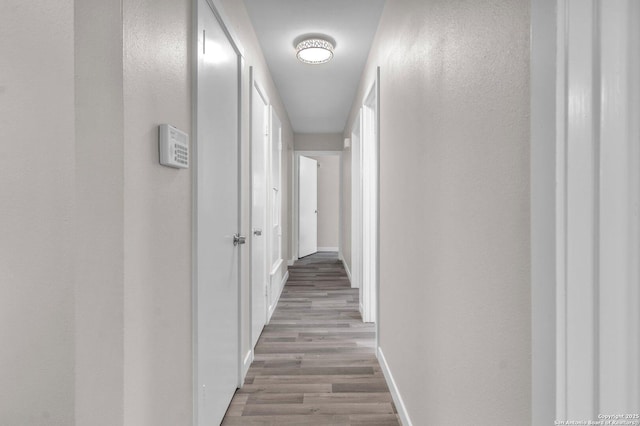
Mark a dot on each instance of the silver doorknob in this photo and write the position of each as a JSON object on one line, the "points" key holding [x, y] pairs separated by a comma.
{"points": [[239, 239], [257, 231]]}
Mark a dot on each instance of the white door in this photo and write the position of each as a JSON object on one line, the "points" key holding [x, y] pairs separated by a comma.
{"points": [[216, 220], [308, 208], [259, 142]]}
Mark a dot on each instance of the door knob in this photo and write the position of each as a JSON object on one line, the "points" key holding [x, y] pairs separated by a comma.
{"points": [[239, 239], [257, 231]]}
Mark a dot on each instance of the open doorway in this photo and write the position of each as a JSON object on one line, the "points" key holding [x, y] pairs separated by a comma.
{"points": [[319, 206]]}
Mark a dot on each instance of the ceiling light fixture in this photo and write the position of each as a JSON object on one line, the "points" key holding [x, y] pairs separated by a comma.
{"points": [[314, 51]]}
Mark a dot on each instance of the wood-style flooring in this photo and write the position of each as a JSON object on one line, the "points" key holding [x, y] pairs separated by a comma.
{"points": [[315, 362]]}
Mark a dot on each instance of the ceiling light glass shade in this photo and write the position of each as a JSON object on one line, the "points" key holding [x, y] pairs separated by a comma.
{"points": [[314, 51]]}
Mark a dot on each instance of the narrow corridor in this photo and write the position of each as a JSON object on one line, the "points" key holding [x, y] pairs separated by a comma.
{"points": [[315, 362]]}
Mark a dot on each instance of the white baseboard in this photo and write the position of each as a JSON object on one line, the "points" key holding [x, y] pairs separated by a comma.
{"points": [[248, 359], [280, 288], [327, 248], [393, 388], [290, 262], [346, 268]]}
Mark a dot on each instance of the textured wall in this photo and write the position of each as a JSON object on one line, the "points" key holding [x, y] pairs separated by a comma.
{"points": [[99, 357], [543, 210], [454, 216], [157, 215], [37, 193]]}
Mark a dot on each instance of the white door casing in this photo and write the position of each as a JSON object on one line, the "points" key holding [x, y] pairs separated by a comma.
{"points": [[308, 206], [369, 170], [275, 210], [276, 190], [598, 209], [356, 207], [216, 217], [259, 191]]}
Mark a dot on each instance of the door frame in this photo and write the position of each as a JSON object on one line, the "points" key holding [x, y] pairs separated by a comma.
{"points": [[275, 283], [295, 198], [266, 231], [370, 241], [356, 204], [584, 183], [217, 10]]}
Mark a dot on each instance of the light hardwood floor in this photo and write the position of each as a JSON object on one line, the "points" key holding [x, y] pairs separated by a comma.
{"points": [[315, 362]]}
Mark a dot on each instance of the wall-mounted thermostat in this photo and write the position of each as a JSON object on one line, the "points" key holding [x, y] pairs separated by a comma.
{"points": [[174, 147]]}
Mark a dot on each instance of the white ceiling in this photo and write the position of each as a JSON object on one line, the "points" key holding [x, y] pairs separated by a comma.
{"points": [[317, 97]]}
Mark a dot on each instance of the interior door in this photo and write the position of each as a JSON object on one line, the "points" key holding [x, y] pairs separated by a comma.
{"points": [[217, 219], [259, 142], [308, 208]]}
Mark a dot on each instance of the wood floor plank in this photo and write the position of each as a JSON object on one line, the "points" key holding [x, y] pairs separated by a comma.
{"points": [[317, 409], [315, 362]]}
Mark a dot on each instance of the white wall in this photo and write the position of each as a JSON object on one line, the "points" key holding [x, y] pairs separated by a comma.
{"points": [[95, 247], [318, 142], [99, 225], [454, 219], [37, 196], [543, 188], [157, 215], [328, 201]]}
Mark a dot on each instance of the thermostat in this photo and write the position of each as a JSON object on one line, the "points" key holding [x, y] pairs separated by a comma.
{"points": [[174, 147]]}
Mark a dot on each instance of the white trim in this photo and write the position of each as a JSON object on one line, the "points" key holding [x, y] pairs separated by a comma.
{"points": [[332, 249], [248, 359], [356, 204], [218, 9], [340, 206], [291, 262], [393, 388], [598, 237], [348, 271], [370, 131], [276, 267], [619, 209], [283, 282]]}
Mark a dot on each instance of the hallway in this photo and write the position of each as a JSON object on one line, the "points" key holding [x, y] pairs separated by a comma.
{"points": [[315, 362]]}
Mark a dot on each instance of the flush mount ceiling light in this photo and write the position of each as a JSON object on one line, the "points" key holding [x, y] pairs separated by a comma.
{"points": [[314, 51]]}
